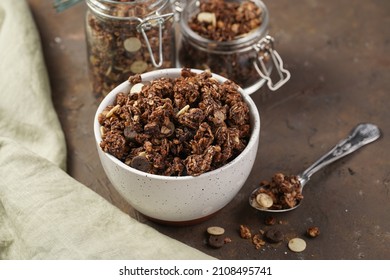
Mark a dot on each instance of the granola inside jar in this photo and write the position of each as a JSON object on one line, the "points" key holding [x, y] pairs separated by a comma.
{"points": [[229, 37], [126, 38]]}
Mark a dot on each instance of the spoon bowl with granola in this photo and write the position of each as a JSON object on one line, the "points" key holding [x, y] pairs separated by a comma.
{"points": [[177, 144], [284, 193]]}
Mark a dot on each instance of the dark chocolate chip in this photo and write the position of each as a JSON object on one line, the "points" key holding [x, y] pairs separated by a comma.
{"points": [[216, 241], [274, 236], [168, 130], [141, 163], [152, 128], [129, 134]]}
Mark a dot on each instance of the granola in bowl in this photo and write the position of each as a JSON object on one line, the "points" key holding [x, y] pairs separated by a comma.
{"points": [[183, 126]]}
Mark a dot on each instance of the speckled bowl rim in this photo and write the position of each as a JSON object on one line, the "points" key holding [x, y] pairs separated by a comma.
{"points": [[253, 112]]}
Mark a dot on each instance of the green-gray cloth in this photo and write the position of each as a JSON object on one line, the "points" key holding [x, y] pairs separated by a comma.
{"points": [[44, 213]]}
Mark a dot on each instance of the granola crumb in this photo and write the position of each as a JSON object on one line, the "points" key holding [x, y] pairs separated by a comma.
{"points": [[227, 240], [258, 241], [313, 232], [245, 232]]}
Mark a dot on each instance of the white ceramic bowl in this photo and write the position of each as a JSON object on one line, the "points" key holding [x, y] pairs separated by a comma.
{"points": [[184, 199]]}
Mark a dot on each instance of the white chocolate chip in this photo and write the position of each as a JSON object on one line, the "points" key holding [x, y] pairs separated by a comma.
{"points": [[136, 88], [207, 17], [138, 66], [297, 245], [132, 44], [215, 230], [264, 200]]}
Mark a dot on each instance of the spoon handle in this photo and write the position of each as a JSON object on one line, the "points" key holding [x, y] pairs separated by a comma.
{"points": [[361, 135]]}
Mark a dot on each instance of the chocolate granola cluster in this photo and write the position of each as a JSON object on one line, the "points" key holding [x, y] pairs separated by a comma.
{"points": [[176, 127], [220, 20], [282, 192]]}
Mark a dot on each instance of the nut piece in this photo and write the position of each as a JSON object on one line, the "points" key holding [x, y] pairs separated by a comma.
{"points": [[245, 232], [313, 232], [257, 241], [183, 110], [102, 131], [215, 230], [112, 111], [207, 17], [297, 245], [136, 88], [264, 200]]}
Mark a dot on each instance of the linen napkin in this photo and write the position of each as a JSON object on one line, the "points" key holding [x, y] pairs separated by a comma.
{"points": [[44, 213]]}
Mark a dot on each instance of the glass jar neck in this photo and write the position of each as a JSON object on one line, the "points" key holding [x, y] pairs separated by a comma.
{"points": [[126, 10], [243, 43]]}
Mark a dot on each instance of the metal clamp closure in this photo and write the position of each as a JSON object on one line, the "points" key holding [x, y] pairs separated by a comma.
{"points": [[149, 23], [266, 47]]}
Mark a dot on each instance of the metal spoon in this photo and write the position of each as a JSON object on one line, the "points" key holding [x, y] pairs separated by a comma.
{"points": [[361, 135]]}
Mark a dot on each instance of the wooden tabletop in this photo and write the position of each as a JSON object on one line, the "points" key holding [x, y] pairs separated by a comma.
{"points": [[338, 55]]}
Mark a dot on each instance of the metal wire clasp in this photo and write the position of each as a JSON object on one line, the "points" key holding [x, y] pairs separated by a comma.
{"points": [[263, 47], [149, 23]]}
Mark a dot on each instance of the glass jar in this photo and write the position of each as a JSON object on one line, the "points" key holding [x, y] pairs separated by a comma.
{"points": [[126, 38], [247, 58]]}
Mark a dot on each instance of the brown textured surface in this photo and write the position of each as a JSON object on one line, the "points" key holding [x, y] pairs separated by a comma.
{"points": [[338, 55]]}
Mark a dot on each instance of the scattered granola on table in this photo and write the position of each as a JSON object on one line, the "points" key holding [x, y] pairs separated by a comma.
{"points": [[284, 192], [258, 241], [176, 127], [313, 232], [245, 232]]}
